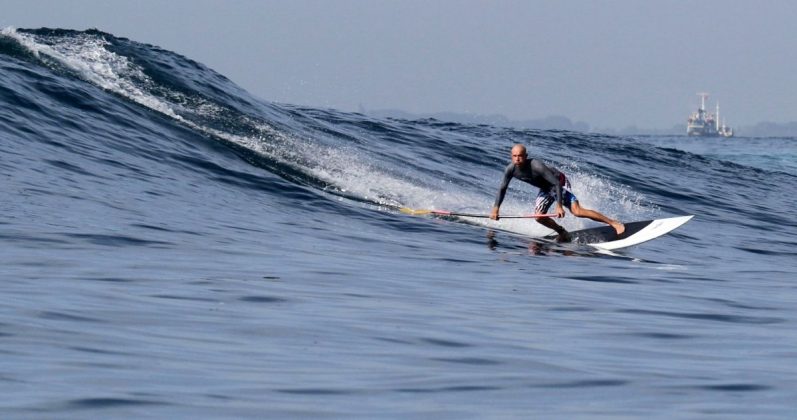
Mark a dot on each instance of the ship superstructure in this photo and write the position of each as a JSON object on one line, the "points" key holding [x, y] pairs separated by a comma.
{"points": [[706, 124]]}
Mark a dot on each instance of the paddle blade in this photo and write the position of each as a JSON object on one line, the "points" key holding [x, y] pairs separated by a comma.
{"points": [[414, 212]]}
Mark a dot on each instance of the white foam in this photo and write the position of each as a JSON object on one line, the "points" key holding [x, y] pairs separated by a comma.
{"points": [[342, 169], [87, 56]]}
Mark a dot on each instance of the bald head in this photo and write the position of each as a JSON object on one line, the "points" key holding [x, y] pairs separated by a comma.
{"points": [[519, 154]]}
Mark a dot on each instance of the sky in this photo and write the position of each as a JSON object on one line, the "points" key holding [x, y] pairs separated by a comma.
{"points": [[611, 64]]}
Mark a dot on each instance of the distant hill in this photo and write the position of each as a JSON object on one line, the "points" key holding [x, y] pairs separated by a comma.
{"points": [[554, 122], [762, 129], [769, 129], [675, 130]]}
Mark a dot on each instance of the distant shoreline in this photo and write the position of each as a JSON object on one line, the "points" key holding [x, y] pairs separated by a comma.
{"points": [[558, 122]]}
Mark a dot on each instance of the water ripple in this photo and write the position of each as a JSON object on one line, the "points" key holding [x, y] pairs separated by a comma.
{"points": [[97, 403], [709, 317]]}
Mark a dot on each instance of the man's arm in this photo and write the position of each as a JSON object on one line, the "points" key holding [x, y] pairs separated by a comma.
{"points": [[502, 191]]}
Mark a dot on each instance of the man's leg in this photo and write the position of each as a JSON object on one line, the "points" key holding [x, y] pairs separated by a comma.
{"points": [[579, 211], [563, 235], [542, 203]]}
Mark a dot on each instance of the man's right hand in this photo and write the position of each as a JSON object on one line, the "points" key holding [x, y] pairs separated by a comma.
{"points": [[494, 214]]}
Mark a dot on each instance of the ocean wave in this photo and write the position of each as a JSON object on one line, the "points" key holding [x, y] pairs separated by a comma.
{"points": [[386, 163]]}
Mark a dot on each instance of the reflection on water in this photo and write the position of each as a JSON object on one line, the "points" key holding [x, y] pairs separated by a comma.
{"points": [[534, 246]]}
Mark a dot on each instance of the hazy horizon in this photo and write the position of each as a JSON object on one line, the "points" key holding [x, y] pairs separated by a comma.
{"points": [[610, 64]]}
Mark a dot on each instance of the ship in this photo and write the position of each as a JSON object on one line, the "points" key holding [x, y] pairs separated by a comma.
{"points": [[705, 124]]}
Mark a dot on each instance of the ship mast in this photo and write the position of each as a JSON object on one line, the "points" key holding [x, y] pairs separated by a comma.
{"points": [[717, 122], [703, 96]]}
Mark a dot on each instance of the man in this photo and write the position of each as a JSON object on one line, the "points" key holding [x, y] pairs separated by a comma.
{"points": [[554, 187]]}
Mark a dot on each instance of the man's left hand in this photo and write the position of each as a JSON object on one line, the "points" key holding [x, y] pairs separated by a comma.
{"points": [[560, 211]]}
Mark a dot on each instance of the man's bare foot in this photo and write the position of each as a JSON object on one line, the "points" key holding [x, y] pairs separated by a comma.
{"points": [[618, 227], [563, 236]]}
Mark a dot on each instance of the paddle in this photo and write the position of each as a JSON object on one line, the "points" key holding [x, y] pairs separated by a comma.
{"points": [[484, 216]]}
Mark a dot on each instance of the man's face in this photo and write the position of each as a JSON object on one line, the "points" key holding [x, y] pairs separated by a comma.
{"points": [[518, 156]]}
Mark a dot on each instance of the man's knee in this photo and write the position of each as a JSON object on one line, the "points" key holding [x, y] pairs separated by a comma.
{"points": [[576, 209]]}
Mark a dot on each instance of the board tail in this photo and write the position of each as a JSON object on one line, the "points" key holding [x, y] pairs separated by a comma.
{"points": [[650, 230]]}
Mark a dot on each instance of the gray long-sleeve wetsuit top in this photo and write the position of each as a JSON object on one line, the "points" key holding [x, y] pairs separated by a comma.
{"points": [[535, 173]]}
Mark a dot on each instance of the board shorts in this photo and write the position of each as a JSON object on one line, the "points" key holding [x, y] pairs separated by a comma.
{"points": [[546, 198]]}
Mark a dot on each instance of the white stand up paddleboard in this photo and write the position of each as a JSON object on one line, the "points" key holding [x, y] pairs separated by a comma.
{"points": [[606, 238]]}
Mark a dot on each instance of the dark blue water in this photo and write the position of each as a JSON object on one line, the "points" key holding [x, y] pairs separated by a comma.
{"points": [[173, 247]]}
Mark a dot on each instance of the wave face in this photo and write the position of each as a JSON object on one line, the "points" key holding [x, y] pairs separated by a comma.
{"points": [[172, 244]]}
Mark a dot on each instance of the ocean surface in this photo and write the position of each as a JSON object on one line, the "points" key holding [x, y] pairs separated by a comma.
{"points": [[172, 246]]}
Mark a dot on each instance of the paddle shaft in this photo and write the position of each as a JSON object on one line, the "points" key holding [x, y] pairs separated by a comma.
{"points": [[487, 216]]}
